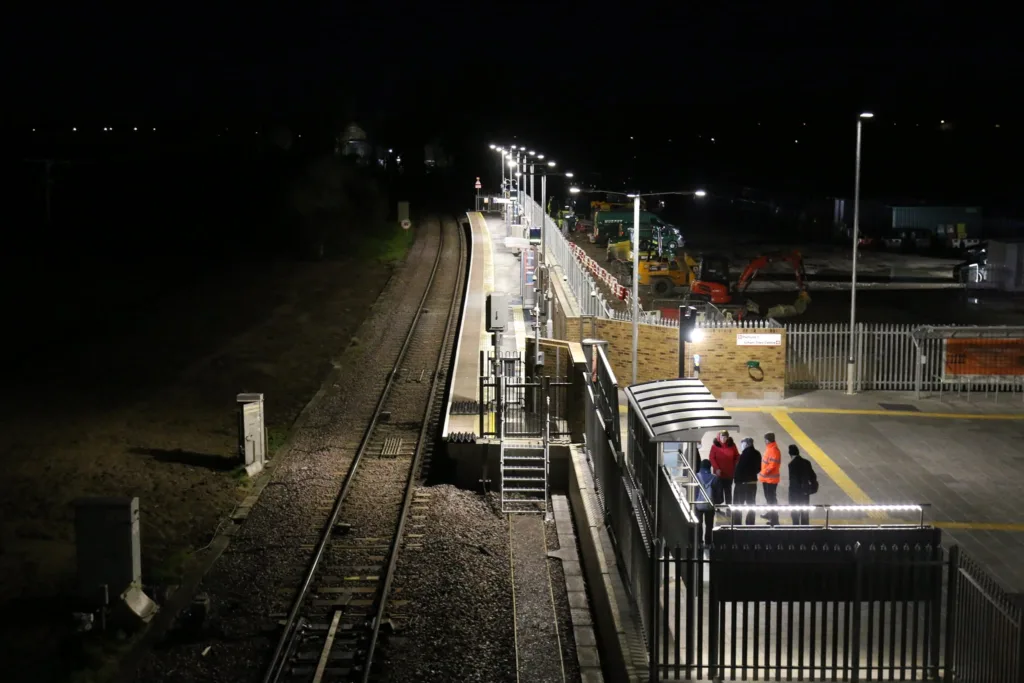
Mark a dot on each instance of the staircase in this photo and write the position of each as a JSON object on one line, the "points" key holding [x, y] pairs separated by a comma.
{"points": [[524, 475]]}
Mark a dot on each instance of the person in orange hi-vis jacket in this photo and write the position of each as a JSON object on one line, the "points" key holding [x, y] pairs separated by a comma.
{"points": [[771, 462]]}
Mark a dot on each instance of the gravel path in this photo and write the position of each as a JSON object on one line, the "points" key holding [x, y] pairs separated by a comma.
{"points": [[565, 631], [537, 635], [459, 625], [248, 585]]}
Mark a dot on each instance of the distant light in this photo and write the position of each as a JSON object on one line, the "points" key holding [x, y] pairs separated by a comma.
{"points": [[493, 146], [136, 128], [540, 156], [74, 129], [796, 142], [867, 115], [574, 190], [300, 135], [34, 130], [997, 126], [518, 174], [512, 164], [532, 153], [568, 175], [700, 193], [551, 164], [697, 335], [805, 123], [513, 146], [942, 122], [154, 129], [630, 137], [712, 140], [390, 151]]}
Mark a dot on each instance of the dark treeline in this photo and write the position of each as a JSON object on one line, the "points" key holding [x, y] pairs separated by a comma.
{"points": [[134, 215]]}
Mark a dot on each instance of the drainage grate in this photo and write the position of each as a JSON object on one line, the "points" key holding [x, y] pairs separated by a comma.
{"points": [[465, 407], [392, 447], [903, 407]]}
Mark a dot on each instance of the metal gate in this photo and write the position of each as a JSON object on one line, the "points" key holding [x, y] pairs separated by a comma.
{"points": [[512, 400]]}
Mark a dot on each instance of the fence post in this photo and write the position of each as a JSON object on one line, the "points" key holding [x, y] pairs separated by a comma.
{"points": [[713, 627], [652, 642], [499, 408], [949, 663], [691, 593], [858, 567], [918, 367]]}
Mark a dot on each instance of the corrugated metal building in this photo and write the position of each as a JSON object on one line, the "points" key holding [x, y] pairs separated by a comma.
{"points": [[947, 222]]}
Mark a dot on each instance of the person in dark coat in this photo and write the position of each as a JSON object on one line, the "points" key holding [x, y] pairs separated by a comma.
{"points": [[705, 508], [745, 479], [802, 483], [724, 455]]}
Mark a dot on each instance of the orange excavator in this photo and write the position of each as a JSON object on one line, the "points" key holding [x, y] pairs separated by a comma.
{"points": [[713, 284]]}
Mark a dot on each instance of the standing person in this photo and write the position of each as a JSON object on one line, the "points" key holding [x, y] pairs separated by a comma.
{"points": [[771, 463], [745, 479], [803, 482], [705, 508], [724, 456]]}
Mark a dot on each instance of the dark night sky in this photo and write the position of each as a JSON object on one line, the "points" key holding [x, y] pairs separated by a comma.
{"points": [[192, 57], [566, 75]]}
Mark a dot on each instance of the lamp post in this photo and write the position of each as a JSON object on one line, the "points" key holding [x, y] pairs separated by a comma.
{"points": [[635, 293], [851, 363]]}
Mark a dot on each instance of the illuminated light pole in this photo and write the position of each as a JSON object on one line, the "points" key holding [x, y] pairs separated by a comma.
{"points": [[635, 293], [851, 363]]}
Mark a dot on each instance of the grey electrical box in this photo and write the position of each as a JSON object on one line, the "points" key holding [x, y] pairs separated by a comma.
{"points": [[107, 547], [497, 312], [252, 434]]}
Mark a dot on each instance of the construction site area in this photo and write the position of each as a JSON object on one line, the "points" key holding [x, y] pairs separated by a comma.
{"points": [[745, 279]]}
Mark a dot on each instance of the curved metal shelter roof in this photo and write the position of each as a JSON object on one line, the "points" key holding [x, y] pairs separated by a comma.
{"points": [[678, 409]]}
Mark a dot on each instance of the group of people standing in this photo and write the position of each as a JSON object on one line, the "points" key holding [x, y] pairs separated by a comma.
{"points": [[730, 476]]}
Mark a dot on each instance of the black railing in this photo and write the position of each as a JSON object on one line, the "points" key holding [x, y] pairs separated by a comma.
{"points": [[984, 633], [521, 406], [846, 613]]}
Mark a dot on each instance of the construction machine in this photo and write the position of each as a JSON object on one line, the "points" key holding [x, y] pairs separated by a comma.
{"points": [[712, 284], [666, 276]]}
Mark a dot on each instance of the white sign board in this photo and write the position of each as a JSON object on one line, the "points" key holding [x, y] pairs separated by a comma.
{"points": [[501, 200], [758, 340]]}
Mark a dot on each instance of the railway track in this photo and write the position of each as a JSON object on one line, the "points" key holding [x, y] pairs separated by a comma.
{"points": [[344, 604]]}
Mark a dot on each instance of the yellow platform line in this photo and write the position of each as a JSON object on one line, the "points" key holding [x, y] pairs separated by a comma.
{"points": [[889, 413], [827, 464]]}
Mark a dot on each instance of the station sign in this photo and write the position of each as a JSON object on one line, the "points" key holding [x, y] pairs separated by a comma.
{"points": [[477, 184], [758, 340]]}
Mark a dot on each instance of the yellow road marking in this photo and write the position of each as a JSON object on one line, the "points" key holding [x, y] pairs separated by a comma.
{"points": [[824, 462], [890, 413]]}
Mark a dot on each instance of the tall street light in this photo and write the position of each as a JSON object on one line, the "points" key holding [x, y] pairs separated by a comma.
{"points": [[635, 294], [851, 363]]}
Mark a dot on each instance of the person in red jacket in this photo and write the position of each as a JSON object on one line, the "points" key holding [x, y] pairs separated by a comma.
{"points": [[771, 462], [724, 456]]}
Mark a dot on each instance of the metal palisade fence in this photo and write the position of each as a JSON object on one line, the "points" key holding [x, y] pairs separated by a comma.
{"points": [[565, 266], [903, 357]]}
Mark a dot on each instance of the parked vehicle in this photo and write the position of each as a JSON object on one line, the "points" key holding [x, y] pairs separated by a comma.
{"points": [[614, 226]]}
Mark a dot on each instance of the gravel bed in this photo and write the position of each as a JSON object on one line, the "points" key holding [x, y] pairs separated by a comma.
{"points": [[249, 585], [460, 590], [565, 632]]}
